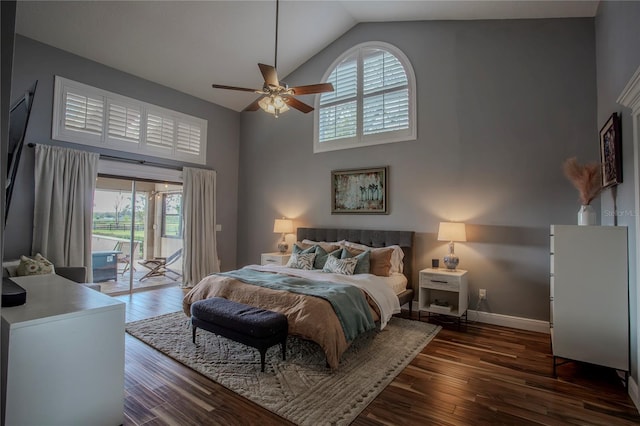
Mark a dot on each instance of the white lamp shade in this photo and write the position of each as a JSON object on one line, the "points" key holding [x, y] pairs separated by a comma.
{"points": [[284, 226], [273, 104], [452, 231]]}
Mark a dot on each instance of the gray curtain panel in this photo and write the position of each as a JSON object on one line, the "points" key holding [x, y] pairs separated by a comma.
{"points": [[199, 213], [65, 181]]}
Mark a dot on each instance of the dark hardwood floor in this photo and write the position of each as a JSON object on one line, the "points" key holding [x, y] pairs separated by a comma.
{"points": [[481, 374]]}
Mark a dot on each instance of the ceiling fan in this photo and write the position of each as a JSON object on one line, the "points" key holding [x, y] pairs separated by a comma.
{"points": [[276, 96]]}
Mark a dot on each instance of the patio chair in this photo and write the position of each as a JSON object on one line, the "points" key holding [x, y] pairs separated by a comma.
{"points": [[125, 255], [159, 266]]}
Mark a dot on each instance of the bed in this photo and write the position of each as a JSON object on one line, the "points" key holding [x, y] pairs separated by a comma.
{"points": [[315, 318]]}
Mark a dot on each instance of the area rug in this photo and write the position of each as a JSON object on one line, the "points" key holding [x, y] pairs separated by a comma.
{"points": [[301, 389]]}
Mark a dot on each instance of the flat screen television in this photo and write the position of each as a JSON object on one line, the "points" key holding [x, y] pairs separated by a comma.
{"points": [[18, 121]]}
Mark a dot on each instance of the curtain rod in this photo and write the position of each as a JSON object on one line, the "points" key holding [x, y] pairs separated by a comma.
{"points": [[129, 160]]}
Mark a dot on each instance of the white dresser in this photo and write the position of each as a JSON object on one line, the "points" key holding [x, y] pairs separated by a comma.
{"points": [[63, 355], [589, 295]]}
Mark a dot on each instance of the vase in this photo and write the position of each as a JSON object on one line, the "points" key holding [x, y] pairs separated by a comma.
{"points": [[586, 215]]}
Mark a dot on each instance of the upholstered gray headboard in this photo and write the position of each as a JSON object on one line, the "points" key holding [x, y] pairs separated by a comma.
{"points": [[369, 237]]}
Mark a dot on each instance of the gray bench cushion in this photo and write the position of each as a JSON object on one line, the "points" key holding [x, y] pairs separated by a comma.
{"points": [[248, 320]]}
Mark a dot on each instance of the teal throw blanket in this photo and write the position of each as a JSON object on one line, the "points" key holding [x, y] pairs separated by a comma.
{"points": [[348, 301]]}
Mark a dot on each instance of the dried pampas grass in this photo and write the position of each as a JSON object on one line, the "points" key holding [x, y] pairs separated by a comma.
{"points": [[586, 178]]}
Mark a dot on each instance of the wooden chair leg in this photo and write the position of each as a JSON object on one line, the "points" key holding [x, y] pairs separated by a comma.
{"points": [[262, 354]]}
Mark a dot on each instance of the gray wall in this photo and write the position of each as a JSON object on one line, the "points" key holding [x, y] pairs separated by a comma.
{"points": [[618, 57], [37, 61], [501, 105]]}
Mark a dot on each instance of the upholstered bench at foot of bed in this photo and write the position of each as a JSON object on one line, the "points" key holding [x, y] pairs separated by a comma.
{"points": [[255, 327]]}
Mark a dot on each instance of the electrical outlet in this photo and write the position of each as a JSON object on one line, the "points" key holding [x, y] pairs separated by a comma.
{"points": [[483, 294]]}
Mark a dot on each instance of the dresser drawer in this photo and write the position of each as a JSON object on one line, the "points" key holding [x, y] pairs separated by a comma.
{"points": [[439, 281]]}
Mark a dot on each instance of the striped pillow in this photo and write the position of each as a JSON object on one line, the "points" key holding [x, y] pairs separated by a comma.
{"points": [[340, 266], [301, 261]]}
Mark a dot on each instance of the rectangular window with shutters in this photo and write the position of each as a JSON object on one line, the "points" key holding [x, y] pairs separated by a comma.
{"points": [[90, 116]]}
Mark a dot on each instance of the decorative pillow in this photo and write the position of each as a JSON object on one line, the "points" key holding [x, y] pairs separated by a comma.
{"points": [[364, 265], [303, 249], [340, 266], [36, 266], [301, 261], [321, 257], [379, 260], [396, 258]]}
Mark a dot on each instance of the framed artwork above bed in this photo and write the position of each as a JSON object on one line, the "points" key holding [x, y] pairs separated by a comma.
{"points": [[359, 191]]}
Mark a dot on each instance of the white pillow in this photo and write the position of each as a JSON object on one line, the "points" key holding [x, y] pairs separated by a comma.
{"points": [[340, 266], [301, 261], [396, 257]]}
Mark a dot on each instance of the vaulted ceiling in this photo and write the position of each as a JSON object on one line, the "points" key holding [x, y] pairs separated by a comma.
{"points": [[187, 45]]}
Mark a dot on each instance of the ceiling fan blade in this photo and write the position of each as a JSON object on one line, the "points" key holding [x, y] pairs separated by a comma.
{"points": [[300, 106], [270, 75], [312, 88], [253, 106], [244, 89]]}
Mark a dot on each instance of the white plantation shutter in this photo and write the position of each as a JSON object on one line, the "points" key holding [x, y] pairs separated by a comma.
{"points": [[159, 131], [373, 101], [83, 113], [382, 71], [91, 116], [345, 82], [386, 98], [338, 121], [338, 112], [386, 112], [124, 123], [188, 139]]}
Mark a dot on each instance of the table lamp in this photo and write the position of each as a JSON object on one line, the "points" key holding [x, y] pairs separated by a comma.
{"points": [[285, 226], [451, 231]]}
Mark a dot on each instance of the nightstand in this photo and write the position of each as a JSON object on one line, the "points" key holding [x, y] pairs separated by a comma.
{"points": [[443, 292], [275, 258]]}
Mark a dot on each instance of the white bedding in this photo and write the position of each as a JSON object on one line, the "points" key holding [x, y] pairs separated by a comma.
{"points": [[380, 289]]}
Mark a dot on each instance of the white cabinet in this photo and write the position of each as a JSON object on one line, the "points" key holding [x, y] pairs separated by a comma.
{"points": [[276, 258], [63, 355], [443, 292], [589, 295]]}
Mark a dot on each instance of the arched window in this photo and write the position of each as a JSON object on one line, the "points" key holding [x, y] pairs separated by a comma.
{"points": [[374, 100]]}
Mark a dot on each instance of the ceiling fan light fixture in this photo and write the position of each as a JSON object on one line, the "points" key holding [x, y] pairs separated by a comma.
{"points": [[272, 100], [273, 104]]}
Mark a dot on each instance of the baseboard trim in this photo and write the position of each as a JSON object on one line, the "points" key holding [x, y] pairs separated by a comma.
{"points": [[509, 321], [503, 320], [633, 392]]}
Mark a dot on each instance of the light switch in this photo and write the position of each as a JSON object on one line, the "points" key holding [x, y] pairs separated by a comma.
{"points": [[218, 227]]}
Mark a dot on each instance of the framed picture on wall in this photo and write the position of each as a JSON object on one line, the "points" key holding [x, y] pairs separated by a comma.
{"points": [[611, 152], [359, 191]]}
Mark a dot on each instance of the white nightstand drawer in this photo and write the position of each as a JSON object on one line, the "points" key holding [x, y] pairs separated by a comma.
{"points": [[274, 259], [439, 281]]}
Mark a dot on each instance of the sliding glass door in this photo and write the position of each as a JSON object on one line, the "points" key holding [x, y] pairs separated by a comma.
{"points": [[137, 234]]}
